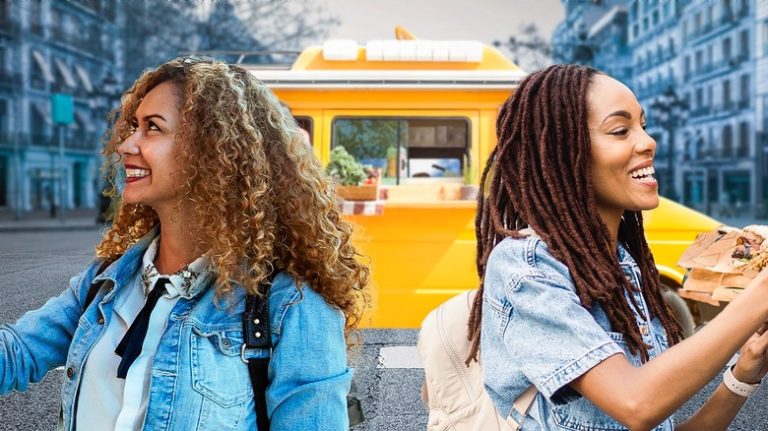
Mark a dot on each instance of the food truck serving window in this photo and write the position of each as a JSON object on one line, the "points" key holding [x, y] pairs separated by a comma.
{"points": [[406, 148]]}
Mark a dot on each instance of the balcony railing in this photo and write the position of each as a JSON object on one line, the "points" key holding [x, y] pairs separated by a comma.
{"points": [[82, 141], [743, 103], [701, 111]]}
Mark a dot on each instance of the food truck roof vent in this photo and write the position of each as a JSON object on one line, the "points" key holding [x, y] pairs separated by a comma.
{"points": [[406, 50]]}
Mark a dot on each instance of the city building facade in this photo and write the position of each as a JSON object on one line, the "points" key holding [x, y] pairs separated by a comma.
{"points": [[655, 41], [52, 47], [700, 70], [717, 165], [761, 78]]}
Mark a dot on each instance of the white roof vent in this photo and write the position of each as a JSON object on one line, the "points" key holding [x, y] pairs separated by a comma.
{"points": [[340, 50], [424, 50]]}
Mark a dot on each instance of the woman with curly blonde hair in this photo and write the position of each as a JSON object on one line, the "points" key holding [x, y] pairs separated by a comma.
{"points": [[222, 203]]}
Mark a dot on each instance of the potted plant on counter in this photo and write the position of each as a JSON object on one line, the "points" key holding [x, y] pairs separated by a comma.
{"points": [[355, 181], [468, 192]]}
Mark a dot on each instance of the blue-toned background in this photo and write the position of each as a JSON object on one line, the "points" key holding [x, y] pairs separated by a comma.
{"points": [[700, 69]]}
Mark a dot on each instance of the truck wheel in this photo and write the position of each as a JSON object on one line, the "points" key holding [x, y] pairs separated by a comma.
{"points": [[680, 310]]}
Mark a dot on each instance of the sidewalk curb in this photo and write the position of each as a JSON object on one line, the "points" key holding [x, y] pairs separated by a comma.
{"points": [[50, 228]]}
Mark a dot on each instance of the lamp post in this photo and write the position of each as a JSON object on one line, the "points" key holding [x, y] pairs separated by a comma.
{"points": [[670, 111], [103, 102]]}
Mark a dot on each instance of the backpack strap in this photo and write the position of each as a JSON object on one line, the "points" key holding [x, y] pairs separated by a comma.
{"points": [[94, 288], [256, 335]]}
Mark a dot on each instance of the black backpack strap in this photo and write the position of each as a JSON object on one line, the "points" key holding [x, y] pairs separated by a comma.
{"points": [[94, 288], [256, 335]]}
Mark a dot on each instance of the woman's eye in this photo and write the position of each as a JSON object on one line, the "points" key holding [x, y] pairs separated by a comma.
{"points": [[619, 132], [644, 126], [132, 127], [152, 126]]}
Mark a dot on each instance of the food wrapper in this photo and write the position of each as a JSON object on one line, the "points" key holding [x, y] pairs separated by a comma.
{"points": [[721, 263]]}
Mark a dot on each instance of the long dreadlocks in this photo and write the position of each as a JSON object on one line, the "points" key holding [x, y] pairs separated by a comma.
{"points": [[539, 176]]}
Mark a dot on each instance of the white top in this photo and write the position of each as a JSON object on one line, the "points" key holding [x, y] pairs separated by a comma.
{"points": [[106, 402]]}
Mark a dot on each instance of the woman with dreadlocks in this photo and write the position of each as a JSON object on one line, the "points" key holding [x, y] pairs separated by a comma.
{"points": [[570, 302]]}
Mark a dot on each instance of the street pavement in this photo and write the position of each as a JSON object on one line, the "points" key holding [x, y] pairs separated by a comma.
{"points": [[35, 266]]}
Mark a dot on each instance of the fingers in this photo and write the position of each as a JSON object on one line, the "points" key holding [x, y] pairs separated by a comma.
{"points": [[757, 344]]}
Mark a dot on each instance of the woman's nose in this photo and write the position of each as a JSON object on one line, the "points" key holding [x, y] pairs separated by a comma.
{"points": [[130, 145], [647, 144]]}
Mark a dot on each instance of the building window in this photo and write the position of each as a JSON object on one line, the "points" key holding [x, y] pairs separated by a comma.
{"points": [[406, 148], [744, 91], [686, 67], [727, 94], [699, 98], [743, 149], [727, 139], [38, 123], [765, 38], [35, 11], [633, 9], [5, 11], [655, 17], [4, 118], [697, 24], [765, 113], [744, 45], [727, 48], [635, 30], [37, 76], [645, 24]]}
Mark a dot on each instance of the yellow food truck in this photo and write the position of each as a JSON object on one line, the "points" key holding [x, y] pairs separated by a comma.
{"points": [[424, 112]]}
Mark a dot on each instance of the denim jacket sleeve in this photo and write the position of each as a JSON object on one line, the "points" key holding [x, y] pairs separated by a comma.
{"points": [[40, 339], [309, 377], [551, 336]]}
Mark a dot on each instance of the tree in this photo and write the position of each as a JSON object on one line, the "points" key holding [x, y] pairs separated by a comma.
{"points": [[529, 50], [160, 30]]}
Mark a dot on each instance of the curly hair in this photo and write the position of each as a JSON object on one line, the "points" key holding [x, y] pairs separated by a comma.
{"points": [[539, 175], [261, 199]]}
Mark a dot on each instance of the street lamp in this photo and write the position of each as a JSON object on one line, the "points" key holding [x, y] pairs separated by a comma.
{"points": [[670, 110], [104, 100]]}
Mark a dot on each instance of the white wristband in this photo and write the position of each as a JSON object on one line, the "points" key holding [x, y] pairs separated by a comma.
{"points": [[739, 388]]}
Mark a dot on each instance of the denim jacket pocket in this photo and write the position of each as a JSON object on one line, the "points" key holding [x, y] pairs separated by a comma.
{"points": [[218, 373]]}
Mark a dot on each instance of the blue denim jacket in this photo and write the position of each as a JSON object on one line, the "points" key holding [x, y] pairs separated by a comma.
{"points": [[535, 332], [198, 380]]}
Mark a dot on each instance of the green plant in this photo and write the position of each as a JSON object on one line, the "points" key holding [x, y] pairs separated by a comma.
{"points": [[469, 171], [344, 168]]}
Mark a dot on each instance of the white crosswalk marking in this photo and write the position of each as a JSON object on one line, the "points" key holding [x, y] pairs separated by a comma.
{"points": [[399, 357]]}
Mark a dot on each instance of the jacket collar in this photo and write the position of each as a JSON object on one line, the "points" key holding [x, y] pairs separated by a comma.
{"points": [[122, 270]]}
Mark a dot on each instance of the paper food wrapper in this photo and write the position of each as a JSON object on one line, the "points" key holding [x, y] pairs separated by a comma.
{"points": [[712, 267]]}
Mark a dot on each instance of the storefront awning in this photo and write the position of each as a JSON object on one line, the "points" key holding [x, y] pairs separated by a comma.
{"points": [[43, 109], [84, 121], [44, 66], [65, 72], [84, 78]]}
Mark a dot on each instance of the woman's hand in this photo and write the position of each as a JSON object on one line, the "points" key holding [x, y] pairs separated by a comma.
{"points": [[752, 364]]}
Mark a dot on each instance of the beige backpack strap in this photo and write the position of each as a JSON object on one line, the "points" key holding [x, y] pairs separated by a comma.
{"points": [[522, 405], [524, 402]]}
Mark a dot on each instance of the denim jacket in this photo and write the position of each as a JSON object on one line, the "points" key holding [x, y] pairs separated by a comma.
{"points": [[535, 332], [198, 380]]}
